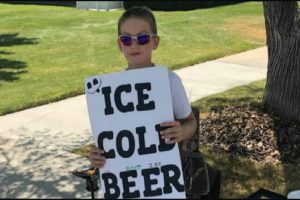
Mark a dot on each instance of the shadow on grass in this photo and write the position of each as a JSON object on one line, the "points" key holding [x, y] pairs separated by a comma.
{"points": [[11, 69], [12, 39], [6, 53], [15, 67]]}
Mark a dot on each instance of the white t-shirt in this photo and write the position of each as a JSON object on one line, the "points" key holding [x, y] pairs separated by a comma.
{"points": [[181, 105]]}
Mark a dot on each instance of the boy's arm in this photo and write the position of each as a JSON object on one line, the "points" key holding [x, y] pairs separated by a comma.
{"points": [[180, 130]]}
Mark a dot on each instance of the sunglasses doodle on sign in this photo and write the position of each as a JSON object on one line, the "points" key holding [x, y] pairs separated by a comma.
{"points": [[93, 86]]}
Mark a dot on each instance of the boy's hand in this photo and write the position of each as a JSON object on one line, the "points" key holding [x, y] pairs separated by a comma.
{"points": [[96, 157], [172, 134]]}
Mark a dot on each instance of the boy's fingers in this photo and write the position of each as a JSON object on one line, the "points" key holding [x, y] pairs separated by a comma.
{"points": [[168, 131], [99, 162], [96, 157], [169, 137], [98, 165], [172, 141], [172, 123], [97, 150]]}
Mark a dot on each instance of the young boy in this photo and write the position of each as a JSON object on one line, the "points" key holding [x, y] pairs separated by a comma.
{"points": [[137, 39]]}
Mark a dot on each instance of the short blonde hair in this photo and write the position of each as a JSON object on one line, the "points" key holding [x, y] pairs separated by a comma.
{"points": [[141, 12]]}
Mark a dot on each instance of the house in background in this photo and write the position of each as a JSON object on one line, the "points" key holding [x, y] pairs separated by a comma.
{"points": [[100, 5]]}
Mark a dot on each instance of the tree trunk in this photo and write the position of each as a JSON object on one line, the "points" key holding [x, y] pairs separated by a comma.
{"points": [[282, 91]]}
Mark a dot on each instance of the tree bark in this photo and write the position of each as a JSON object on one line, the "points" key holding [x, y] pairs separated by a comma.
{"points": [[282, 91]]}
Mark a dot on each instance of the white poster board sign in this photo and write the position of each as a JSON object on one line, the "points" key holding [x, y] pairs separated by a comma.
{"points": [[125, 110]]}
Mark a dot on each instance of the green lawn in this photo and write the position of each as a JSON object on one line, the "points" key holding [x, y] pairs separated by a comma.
{"points": [[47, 51], [241, 176]]}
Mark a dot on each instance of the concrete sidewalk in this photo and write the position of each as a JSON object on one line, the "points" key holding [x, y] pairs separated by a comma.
{"points": [[35, 161]]}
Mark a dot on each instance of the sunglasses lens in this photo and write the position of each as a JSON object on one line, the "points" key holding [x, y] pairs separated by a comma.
{"points": [[143, 39], [126, 40]]}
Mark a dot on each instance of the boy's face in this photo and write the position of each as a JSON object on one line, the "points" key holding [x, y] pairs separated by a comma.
{"points": [[137, 56]]}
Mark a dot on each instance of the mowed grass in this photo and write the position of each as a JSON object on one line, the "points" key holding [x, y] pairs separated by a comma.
{"points": [[240, 176], [47, 51]]}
